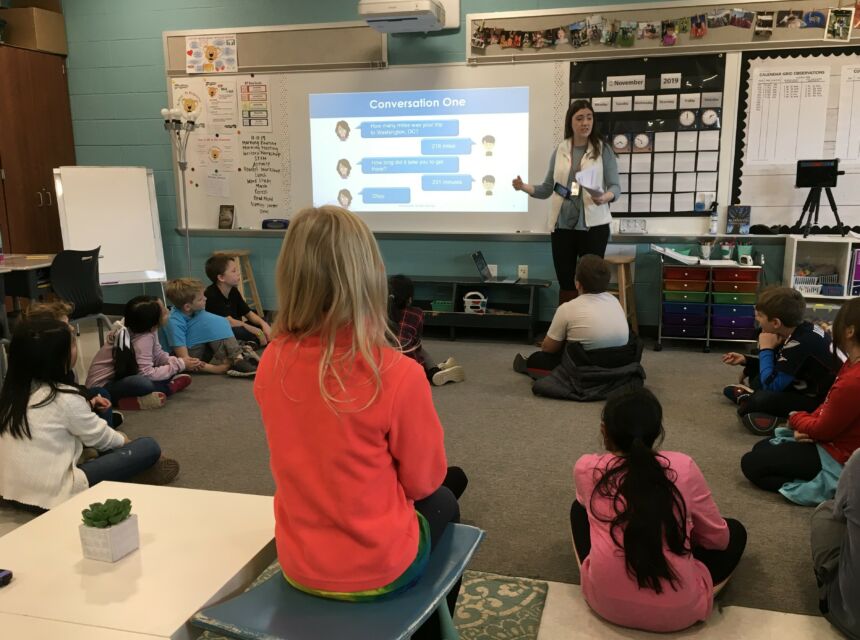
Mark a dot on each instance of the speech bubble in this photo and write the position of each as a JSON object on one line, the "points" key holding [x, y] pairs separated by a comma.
{"points": [[410, 165], [457, 182], [446, 146], [385, 195], [409, 128]]}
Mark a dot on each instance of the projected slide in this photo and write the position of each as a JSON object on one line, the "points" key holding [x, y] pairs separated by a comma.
{"points": [[399, 151]]}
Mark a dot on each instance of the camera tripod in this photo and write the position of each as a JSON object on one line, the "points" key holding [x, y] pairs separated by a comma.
{"points": [[811, 207]]}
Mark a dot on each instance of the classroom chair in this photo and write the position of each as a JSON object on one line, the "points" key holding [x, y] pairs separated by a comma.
{"points": [[75, 279], [276, 610], [246, 276], [626, 294]]}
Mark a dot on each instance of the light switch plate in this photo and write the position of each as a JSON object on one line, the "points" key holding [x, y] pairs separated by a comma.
{"points": [[523, 272]]}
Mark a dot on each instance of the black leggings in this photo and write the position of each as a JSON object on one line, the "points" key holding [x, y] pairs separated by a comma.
{"points": [[439, 509], [769, 466], [541, 363], [778, 403], [568, 245], [720, 564]]}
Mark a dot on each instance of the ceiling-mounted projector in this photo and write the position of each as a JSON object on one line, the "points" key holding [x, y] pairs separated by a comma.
{"points": [[407, 16]]}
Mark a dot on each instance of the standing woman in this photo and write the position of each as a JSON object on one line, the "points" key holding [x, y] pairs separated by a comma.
{"points": [[579, 222]]}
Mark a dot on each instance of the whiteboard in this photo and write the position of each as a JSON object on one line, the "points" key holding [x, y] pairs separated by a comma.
{"points": [[115, 208], [281, 185]]}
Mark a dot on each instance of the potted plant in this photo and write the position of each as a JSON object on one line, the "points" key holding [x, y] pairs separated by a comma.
{"points": [[109, 530]]}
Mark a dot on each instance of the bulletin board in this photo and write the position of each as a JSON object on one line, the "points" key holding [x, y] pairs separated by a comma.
{"points": [[797, 105]]}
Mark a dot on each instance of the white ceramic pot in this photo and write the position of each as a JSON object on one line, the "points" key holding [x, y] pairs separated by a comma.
{"points": [[111, 543]]}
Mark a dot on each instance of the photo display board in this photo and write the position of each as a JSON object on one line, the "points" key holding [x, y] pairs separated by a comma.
{"points": [[662, 116]]}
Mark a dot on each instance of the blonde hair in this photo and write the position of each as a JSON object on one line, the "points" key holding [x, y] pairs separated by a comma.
{"points": [[55, 309], [182, 291], [329, 276]]}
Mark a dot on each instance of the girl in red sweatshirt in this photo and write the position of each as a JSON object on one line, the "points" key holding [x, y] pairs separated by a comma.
{"points": [[363, 490]]}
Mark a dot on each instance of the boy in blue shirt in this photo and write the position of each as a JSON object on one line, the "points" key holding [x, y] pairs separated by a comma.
{"points": [[194, 332], [793, 369]]}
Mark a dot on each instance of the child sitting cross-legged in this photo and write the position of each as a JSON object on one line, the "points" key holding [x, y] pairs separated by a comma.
{"points": [[132, 366], [193, 332], [224, 299]]}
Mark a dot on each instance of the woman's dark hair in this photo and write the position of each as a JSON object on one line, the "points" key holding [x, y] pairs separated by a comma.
{"points": [[848, 316], [142, 314], [40, 352], [597, 145], [400, 291], [647, 505]]}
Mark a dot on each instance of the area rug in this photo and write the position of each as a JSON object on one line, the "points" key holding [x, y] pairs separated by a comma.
{"points": [[490, 606]]}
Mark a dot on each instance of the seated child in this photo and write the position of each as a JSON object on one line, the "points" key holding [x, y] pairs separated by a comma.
{"points": [[652, 545], [195, 333], [794, 367], [407, 323], [364, 495], [594, 318], [834, 427], [132, 366], [45, 425], [835, 545], [224, 299]]}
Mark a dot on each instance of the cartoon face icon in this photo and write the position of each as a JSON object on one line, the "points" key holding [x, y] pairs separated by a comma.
{"points": [[212, 91], [215, 153], [489, 142], [189, 105], [489, 183], [341, 129], [344, 198], [211, 52], [344, 168]]}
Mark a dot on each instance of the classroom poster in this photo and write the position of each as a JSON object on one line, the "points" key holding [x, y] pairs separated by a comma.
{"points": [[255, 104], [216, 151], [211, 54], [848, 127], [221, 104], [188, 97]]}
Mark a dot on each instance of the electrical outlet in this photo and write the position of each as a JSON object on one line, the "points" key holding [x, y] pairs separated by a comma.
{"points": [[523, 272], [494, 270]]}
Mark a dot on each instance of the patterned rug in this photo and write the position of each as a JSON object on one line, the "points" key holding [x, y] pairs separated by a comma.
{"points": [[490, 606]]}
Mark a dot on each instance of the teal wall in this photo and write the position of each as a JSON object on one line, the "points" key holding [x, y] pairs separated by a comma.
{"points": [[117, 85]]}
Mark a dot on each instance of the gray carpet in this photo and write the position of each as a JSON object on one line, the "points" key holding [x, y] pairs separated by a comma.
{"points": [[518, 451]]}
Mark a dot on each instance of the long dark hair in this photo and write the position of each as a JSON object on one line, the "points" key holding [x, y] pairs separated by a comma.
{"points": [[641, 487], [848, 316], [400, 292], [594, 140], [40, 352], [142, 314]]}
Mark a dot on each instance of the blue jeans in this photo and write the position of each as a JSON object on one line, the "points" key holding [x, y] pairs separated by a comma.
{"points": [[136, 386], [122, 464]]}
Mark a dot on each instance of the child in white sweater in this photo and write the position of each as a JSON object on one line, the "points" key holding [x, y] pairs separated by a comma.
{"points": [[45, 424]]}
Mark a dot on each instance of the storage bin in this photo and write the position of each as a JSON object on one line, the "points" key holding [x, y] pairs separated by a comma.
{"points": [[832, 290], [677, 331], [737, 287], [809, 289], [693, 320], [729, 274], [685, 308], [685, 285], [731, 333], [734, 298], [685, 296], [684, 273], [831, 279], [740, 322], [442, 305], [733, 310]]}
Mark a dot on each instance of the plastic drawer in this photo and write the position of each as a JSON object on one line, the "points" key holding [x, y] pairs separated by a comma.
{"points": [[685, 296], [684, 273], [685, 285], [691, 308], [738, 322], [733, 310], [680, 331], [732, 333], [731, 275], [735, 287], [735, 298], [692, 320]]}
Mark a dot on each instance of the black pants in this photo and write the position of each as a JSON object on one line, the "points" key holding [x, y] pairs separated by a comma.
{"points": [[769, 466], [440, 508], [778, 403], [540, 363], [720, 564], [568, 245]]}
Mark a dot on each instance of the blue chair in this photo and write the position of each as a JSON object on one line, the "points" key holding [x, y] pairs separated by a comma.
{"points": [[274, 609]]}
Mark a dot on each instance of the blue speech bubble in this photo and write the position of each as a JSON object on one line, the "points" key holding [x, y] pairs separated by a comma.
{"points": [[385, 195], [409, 128], [446, 146], [458, 182], [410, 165]]}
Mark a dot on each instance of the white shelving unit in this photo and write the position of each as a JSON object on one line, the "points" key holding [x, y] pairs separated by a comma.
{"points": [[821, 250]]}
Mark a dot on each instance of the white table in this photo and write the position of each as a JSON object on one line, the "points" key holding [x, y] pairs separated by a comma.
{"points": [[23, 627], [196, 548]]}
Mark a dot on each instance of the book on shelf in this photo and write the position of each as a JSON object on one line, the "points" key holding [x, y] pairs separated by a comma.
{"points": [[738, 219], [856, 268]]}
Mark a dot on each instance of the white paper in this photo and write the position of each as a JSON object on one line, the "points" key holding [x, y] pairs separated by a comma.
{"points": [[687, 141], [620, 204], [667, 102], [680, 257], [685, 162], [684, 202], [640, 163], [706, 181], [691, 100], [188, 97], [640, 203], [709, 140], [786, 114], [664, 162], [623, 163], [707, 161], [622, 103], [663, 182], [221, 104], [685, 182], [602, 104], [256, 106], [643, 103], [670, 81], [664, 141], [218, 185], [640, 183], [848, 127], [588, 178], [712, 99], [661, 202], [624, 182], [211, 54], [216, 152]]}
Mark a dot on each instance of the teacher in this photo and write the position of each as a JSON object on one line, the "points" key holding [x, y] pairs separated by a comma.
{"points": [[579, 221]]}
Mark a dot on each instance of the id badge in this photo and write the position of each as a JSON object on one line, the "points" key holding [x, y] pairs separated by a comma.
{"points": [[574, 188]]}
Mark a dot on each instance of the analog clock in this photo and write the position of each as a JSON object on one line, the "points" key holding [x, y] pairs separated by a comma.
{"points": [[620, 142], [642, 141], [687, 118], [710, 118]]}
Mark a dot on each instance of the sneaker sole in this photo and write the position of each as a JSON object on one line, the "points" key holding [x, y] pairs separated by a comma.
{"points": [[153, 400], [454, 374], [241, 374]]}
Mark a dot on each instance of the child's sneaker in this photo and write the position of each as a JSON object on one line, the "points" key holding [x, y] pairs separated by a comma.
{"points": [[520, 365], [450, 362], [737, 393], [164, 471], [451, 374], [179, 382], [242, 368], [117, 419], [761, 424], [154, 400]]}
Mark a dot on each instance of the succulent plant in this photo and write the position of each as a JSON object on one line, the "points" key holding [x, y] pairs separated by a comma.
{"points": [[106, 514]]}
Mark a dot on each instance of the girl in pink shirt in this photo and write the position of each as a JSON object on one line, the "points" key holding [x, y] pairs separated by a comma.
{"points": [[651, 543], [362, 487]]}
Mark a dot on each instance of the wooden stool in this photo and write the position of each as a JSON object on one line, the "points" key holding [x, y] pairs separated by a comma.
{"points": [[626, 294], [246, 276]]}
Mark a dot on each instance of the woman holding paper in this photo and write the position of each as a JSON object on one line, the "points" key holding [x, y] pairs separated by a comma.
{"points": [[579, 206]]}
